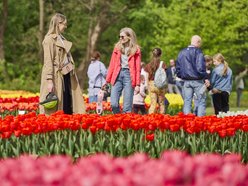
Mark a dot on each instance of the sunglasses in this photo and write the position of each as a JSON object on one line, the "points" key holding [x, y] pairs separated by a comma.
{"points": [[121, 37], [65, 24]]}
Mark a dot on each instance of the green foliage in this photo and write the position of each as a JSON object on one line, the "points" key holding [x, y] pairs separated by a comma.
{"points": [[223, 26], [122, 143]]}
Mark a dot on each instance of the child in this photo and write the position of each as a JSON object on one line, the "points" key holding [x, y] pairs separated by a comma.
{"points": [[139, 98], [96, 74], [221, 83], [208, 61]]}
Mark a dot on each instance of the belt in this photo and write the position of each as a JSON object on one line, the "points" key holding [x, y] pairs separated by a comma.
{"points": [[192, 78], [124, 68]]}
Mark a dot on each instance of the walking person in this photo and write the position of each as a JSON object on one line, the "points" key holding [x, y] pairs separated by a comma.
{"points": [[124, 70], [157, 95], [171, 76], [58, 72], [96, 73], [191, 68], [240, 85], [221, 84], [139, 97]]}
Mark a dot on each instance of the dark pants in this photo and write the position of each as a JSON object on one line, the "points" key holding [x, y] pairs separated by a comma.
{"points": [[67, 98], [239, 94], [137, 108], [221, 102]]}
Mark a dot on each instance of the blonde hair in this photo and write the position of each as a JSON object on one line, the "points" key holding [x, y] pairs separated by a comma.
{"points": [[220, 58], [133, 46], [55, 20]]}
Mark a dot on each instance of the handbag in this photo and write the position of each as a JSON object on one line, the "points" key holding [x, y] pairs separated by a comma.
{"points": [[68, 67], [51, 101]]}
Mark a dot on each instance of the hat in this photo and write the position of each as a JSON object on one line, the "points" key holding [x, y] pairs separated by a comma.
{"points": [[51, 101]]}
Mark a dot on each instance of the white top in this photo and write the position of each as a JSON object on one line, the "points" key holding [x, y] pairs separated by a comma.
{"points": [[145, 74], [95, 79], [139, 98], [124, 59]]}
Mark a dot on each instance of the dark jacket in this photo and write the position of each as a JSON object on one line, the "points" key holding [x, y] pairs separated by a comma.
{"points": [[170, 78], [190, 64]]}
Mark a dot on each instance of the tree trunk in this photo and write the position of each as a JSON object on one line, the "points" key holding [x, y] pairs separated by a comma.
{"points": [[93, 35], [3, 23], [97, 25], [4, 15], [41, 29]]}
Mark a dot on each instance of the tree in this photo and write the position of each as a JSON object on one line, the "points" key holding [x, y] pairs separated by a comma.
{"points": [[102, 14], [41, 28], [94, 25], [3, 22], [223, 26]]}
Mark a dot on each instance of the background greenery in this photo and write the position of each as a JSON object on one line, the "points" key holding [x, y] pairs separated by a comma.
{"points": [[168, 24]]}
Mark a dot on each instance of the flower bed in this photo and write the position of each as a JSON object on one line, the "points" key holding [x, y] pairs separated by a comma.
{"points": [[173, 168], [233, 113], [121, 135], [13, 105], [17, 94], [12, 102]]}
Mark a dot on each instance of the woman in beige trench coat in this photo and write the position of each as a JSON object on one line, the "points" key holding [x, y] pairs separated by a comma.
{"points": [[66, 87]]}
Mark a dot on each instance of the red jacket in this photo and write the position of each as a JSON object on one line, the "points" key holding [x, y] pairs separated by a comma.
{"points": [[115, 67]]}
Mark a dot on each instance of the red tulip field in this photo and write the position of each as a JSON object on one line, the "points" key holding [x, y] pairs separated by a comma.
{"points": [[121, 149]]}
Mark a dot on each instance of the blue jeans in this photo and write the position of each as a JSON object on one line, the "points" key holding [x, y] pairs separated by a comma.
{"points": [[123, 83], [189, 88], [179, 84]]}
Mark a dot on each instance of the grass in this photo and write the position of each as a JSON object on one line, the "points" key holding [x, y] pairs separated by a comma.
{"points": [[232, 103], [210, 110]]}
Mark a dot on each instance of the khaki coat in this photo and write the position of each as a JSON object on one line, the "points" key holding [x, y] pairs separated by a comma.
{"points": [[55, 52]]}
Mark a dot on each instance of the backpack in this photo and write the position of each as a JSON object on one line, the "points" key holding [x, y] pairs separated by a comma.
{"points": [[160, 78]]}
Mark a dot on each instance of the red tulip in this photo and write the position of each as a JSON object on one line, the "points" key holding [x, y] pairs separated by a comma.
{"points": [[222, 133], [93, 129], [150, 137], [5, 135], [17, 133]]}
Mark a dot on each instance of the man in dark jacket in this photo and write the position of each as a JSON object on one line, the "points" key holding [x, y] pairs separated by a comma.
{"points": [[191, 68]]}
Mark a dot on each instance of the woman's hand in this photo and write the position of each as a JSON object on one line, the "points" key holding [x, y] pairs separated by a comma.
{"points": [[207, 83], [50, 85]]}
